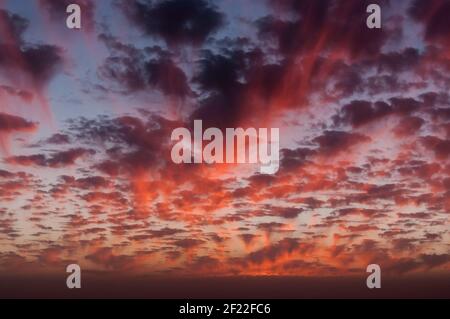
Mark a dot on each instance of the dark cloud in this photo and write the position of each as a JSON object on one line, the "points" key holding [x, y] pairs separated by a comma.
{"points": [[272, 227], [332, 142], [42, 61], [361, 228], [274, 251], [165, 75], [239, 86], [435, 260], [58, 139], [404, 244], [13, 26], [175, 21], [131, 144], [421, 215], [106, 257], [136, 70], [398, 61], [6, 174], [220, 72], [108, 167], [323, 20], [28, 160], [403, 266], [284, 212], [115, 199], [440, 147], [39, 61], [360, 112], [69, 157], [10, 123], [223, 77], [434, 16], [248, 238], [56, 160], [403, 105], [188, 243], [294, 158], [409, 126], [91, 182], [375, 74]]}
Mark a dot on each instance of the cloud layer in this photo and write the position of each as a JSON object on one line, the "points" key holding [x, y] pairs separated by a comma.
{"points": [[86, 174]]}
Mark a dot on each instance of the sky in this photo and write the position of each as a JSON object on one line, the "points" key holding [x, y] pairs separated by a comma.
{"points": [[86, 118]]}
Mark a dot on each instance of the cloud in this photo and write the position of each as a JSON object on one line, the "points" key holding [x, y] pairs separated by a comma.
{"points": [[332, 142], [11, 123], [360, 112], [26, 96], [26, 68], [409, 126], [39, 61], [435, 260], [107, 258], [188, 243], [56, 160], [322, 20], [134, 70], [175, 21], [440, 147], [58, 139], [13, 26], [433, 15]]}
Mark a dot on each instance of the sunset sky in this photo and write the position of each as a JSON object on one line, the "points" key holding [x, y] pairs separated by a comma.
{"points": [[86, 118]]}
